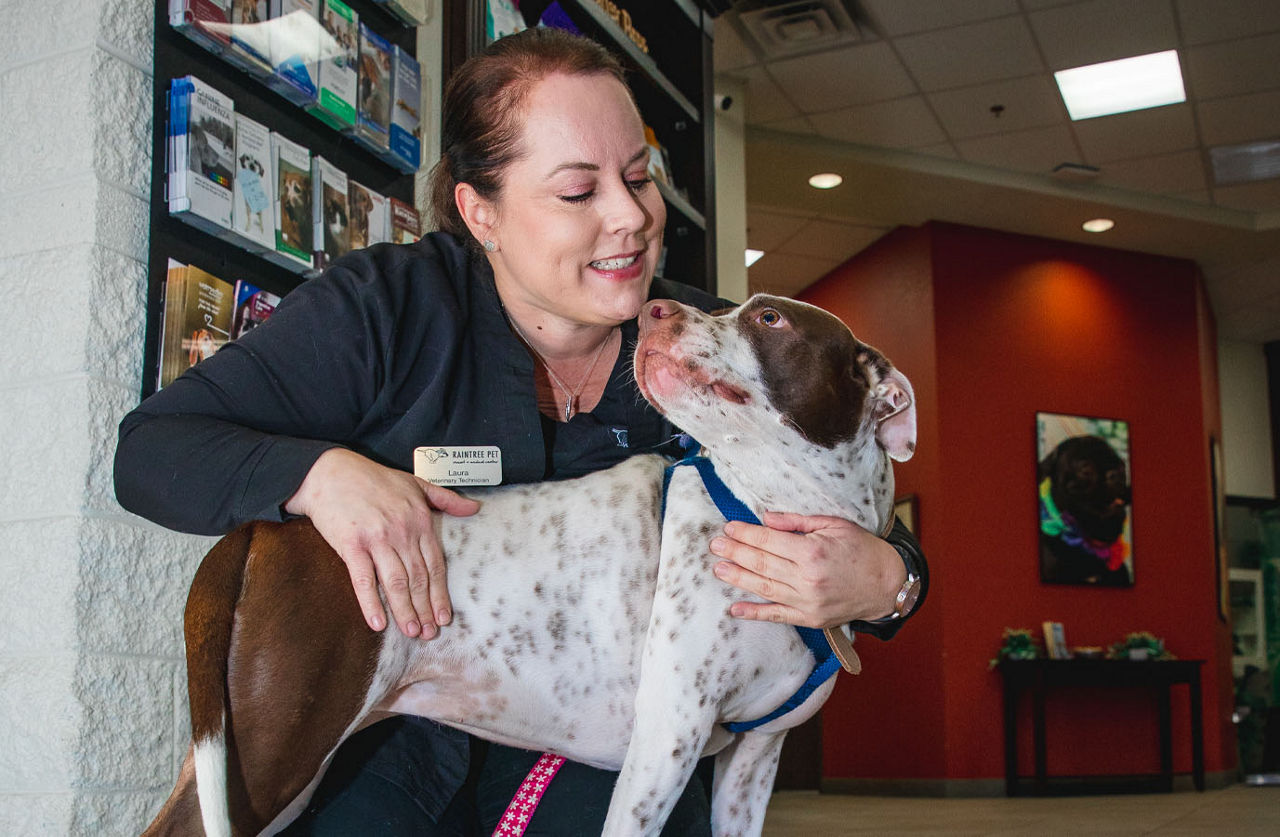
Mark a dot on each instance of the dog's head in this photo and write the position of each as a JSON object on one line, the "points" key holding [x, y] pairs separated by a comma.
{"points": [[773, 370], [250, 163], [1088, 480]]}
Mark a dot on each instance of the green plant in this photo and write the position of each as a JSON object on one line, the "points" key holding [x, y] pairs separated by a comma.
{"points": [[1139, 642], [1019, 644]]}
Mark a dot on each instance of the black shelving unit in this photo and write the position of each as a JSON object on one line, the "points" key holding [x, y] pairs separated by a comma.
{"points": [[673, 85], [176, 56]]}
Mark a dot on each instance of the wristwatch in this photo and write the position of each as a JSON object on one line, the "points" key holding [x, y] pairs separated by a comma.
{"points": [[907, 596]]}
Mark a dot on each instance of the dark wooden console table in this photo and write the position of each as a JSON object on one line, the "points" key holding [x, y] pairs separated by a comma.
{"points": [[1039, 676]]}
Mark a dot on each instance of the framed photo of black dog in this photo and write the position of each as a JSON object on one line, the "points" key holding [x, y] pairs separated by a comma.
{"points": [[1086, 522]]}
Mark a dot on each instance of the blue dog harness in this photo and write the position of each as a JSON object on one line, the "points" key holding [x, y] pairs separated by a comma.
{"points": [[827, 663]]}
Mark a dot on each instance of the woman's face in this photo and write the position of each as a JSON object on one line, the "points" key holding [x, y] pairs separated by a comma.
{"points": [[578, 223]]}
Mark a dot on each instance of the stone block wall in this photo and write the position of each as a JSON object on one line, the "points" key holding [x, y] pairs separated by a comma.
{"points": [[92, 697]]}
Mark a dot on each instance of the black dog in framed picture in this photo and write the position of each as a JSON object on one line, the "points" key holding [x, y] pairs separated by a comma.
{"points": [[1084, 500]]}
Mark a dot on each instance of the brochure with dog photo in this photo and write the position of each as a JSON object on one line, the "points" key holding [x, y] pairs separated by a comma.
{"points": [[406, 223], [332, 229], [373, 101], [295, 50], [197, 319], [251, 36], [406, 121], [201, 163], [254, 193], [253, 307], [1086, 524], [203, 21], [294, 225], [340, 52], [369, 220]]}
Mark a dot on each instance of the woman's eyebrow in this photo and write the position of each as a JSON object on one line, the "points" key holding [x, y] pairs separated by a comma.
{"points": [[584, 166]]}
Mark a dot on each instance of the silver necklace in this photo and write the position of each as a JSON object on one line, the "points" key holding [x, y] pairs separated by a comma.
{"points": [[570, 396]]}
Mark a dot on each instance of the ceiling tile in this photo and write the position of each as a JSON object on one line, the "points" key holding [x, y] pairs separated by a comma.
{"points": [[842, 78], [1103, 30], [768, 231], [1229, 69], [765, 100], [786, 275], [1204, 21], [1037, 150], [1261, 195], [942, 149], [729, 51], [830, 240], [902, 123], [971, 54], [794, 125], [1031, 102], [1240, 118], [1126, 136], [1166, 174], [901, 17]]}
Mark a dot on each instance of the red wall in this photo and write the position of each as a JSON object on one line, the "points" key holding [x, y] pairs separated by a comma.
{"points": [[992, 328]]}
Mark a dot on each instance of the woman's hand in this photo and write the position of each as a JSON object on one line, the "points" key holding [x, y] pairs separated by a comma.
{"points": [[815, 571], [380, 522]]}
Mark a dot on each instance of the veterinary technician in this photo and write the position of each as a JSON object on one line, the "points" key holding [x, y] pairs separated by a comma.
{"points": [[512, 328]]}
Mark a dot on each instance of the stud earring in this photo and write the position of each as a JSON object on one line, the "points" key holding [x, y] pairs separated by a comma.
{"points": [[489, 246]]}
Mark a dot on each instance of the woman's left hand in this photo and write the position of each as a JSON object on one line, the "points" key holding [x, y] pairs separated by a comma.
{"points": [[815, 571]]}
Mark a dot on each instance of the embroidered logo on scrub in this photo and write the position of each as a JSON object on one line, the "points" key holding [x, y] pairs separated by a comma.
{"points": [[458, 465], [622, 436]]}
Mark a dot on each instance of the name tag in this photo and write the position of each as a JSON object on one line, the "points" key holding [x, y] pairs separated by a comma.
{"points": [[457, 465]]}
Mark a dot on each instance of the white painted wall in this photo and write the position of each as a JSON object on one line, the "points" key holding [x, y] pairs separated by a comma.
{"points": [[1246, 419], [93, 718], [90, 611]]}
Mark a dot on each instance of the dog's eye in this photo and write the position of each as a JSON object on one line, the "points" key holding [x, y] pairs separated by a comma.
{"points": [[770, 317]]}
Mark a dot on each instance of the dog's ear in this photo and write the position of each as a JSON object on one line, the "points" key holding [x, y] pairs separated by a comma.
{"points": [[895, 415]]}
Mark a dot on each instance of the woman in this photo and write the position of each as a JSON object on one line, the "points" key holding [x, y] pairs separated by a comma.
{"points": [[508, 328]]}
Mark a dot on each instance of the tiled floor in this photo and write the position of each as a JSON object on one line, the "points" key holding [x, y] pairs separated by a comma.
{"points": [[1236, 811]]}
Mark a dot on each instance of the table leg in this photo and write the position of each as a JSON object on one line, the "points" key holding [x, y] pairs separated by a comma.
{"points": [[1038, 735], [1197, 732], [1166, 735], [1010, 738]]}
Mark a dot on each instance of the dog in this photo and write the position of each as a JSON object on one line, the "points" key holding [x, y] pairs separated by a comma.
{"points": [[251, 167], [337, 239], [1084, 500], [586, 622], [361, 205], [248, 11], [295, 207]]}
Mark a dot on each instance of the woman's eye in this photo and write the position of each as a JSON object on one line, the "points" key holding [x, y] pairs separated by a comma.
{"points": [[770, 318], [581, 197], [638, 183]]}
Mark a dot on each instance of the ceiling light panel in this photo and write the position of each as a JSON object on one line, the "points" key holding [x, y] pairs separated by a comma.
{"points": [[1245, 163], [1144, 81]]}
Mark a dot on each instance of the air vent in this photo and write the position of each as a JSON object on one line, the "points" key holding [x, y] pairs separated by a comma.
{"points": [[779, 30]]}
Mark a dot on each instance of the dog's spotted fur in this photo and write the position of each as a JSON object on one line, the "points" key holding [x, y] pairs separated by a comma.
{"points": [[584, 624]]}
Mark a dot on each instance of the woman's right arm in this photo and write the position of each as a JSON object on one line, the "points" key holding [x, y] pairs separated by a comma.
{"points": [[256, 433]]}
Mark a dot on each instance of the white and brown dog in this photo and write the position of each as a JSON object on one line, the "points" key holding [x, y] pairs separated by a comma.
{"points": [[586, 623]]}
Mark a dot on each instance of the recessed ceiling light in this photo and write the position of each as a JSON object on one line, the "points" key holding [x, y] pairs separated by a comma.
{"points": [[1144, 81], [753, 256], [1098, 225], [826, 180]]}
